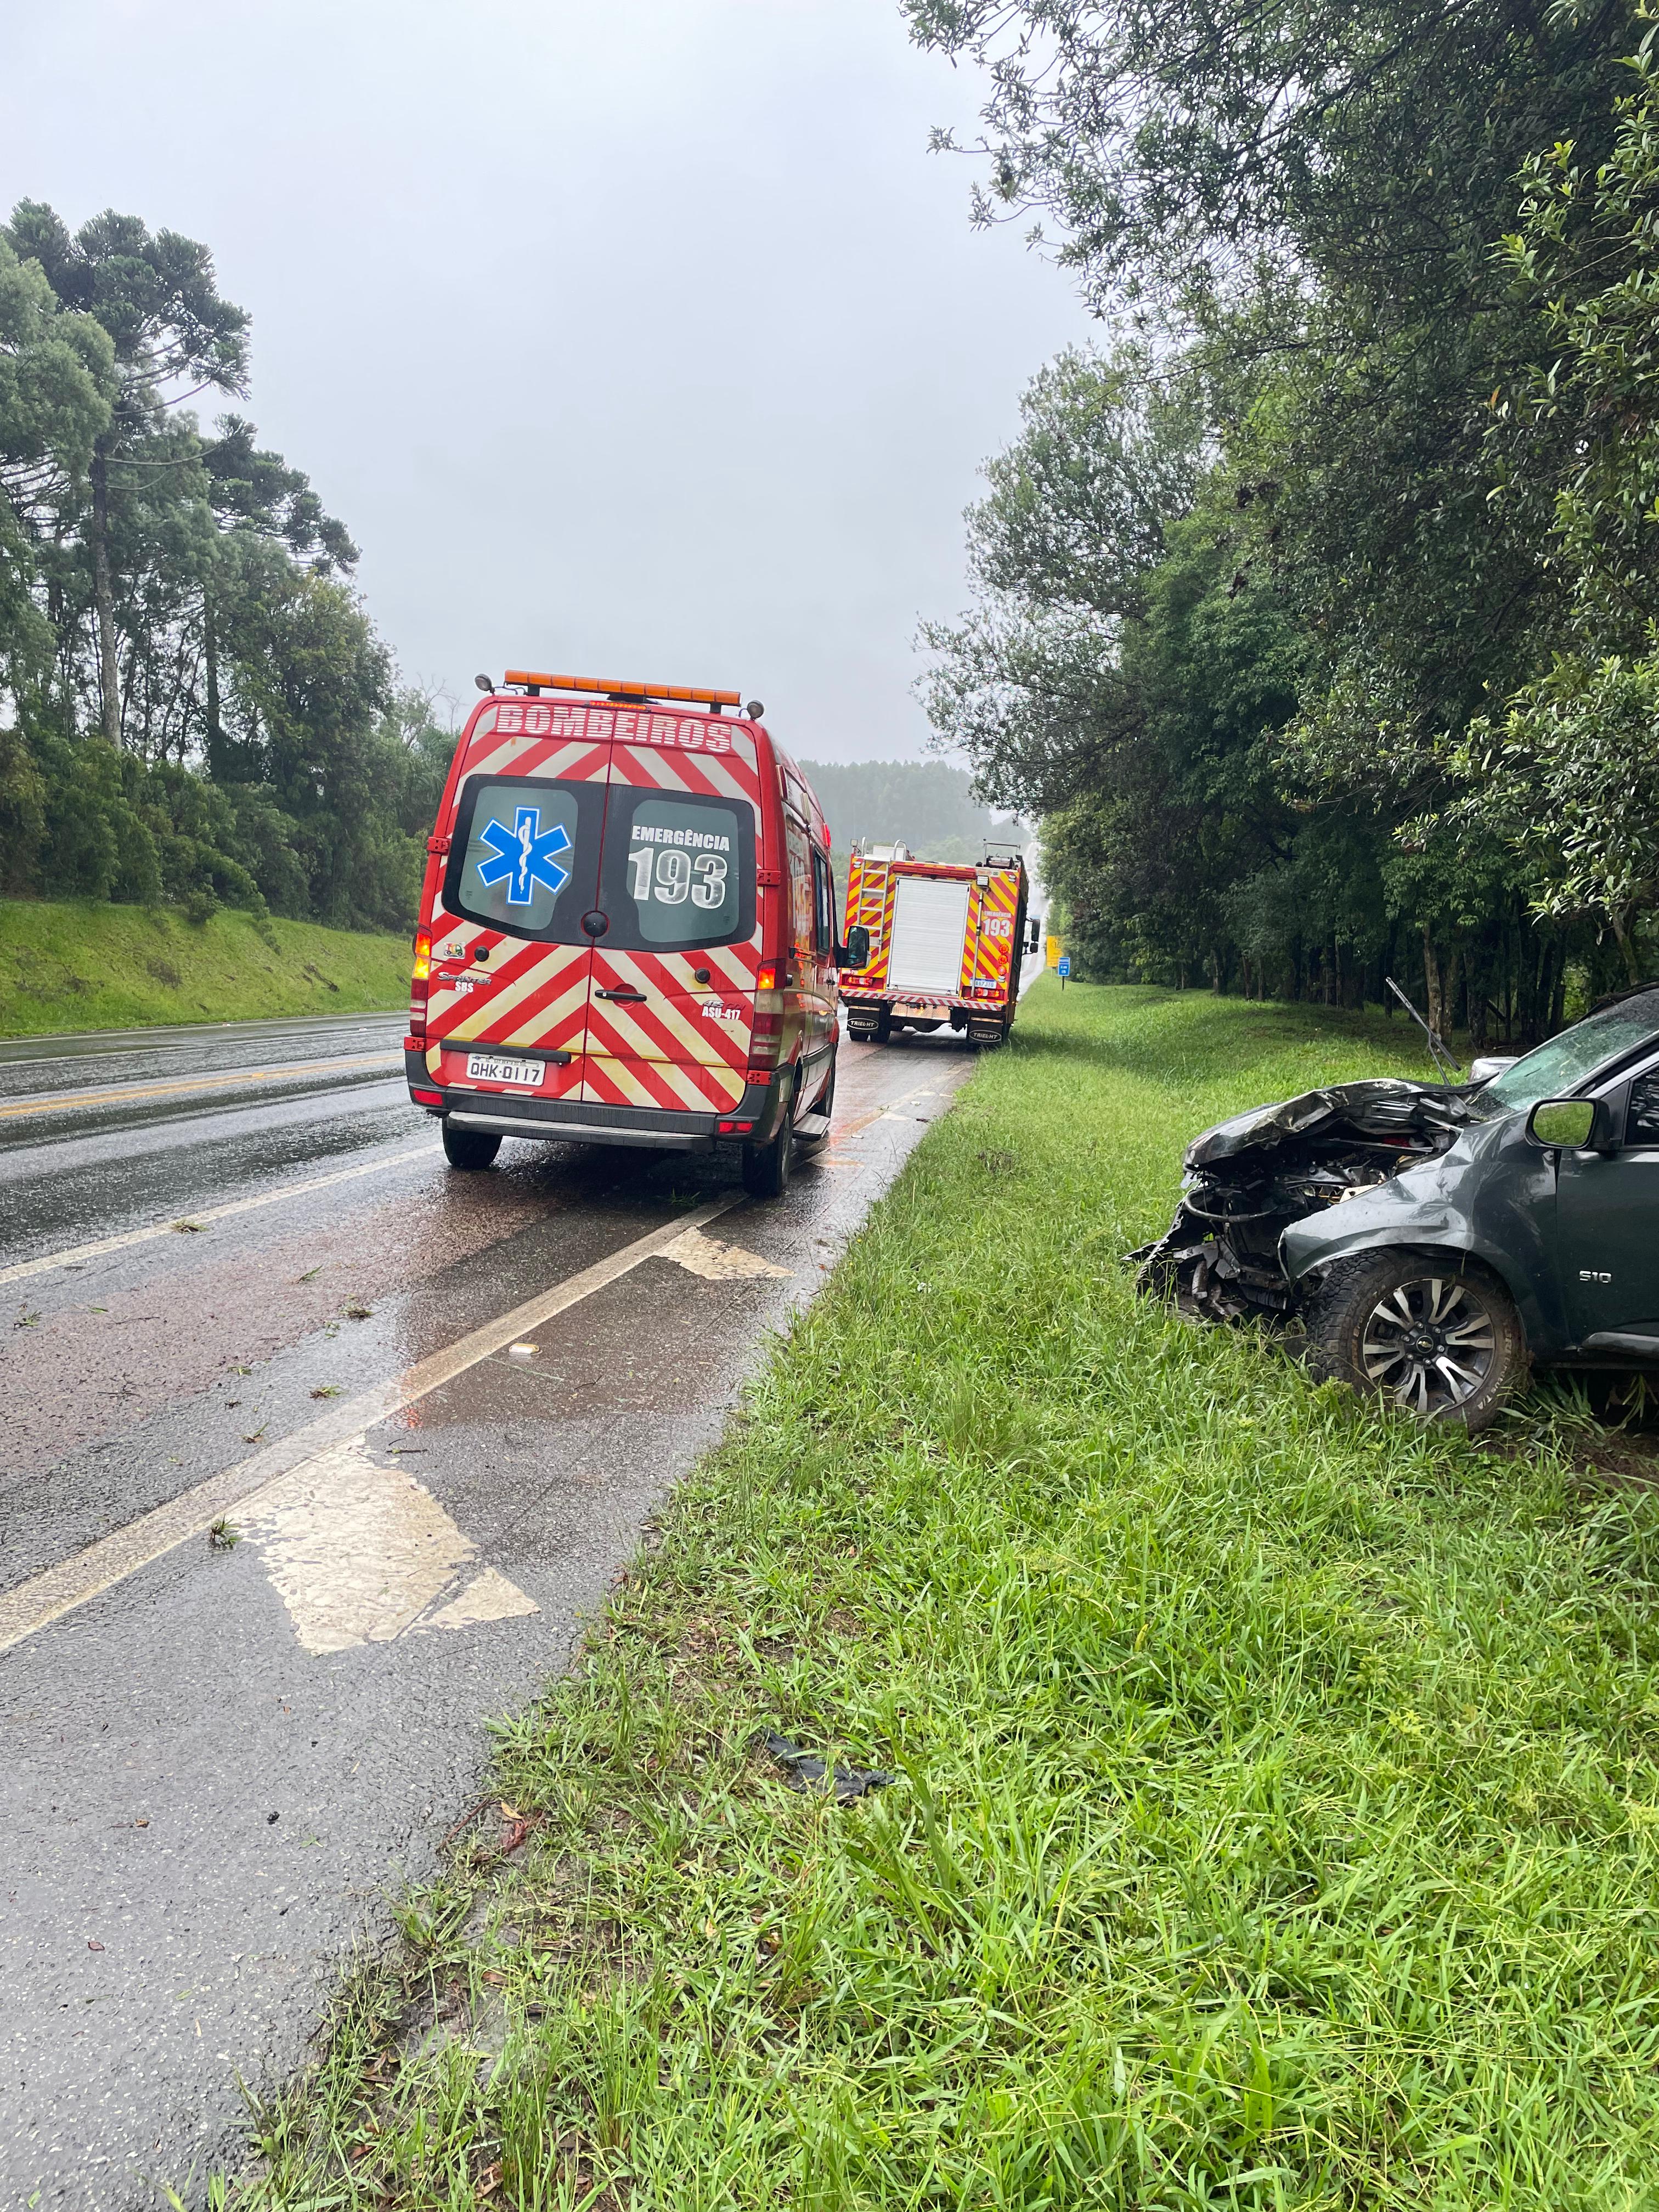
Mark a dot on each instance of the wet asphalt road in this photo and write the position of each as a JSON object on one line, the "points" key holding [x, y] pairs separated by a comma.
{"points": [[237, 1281]]}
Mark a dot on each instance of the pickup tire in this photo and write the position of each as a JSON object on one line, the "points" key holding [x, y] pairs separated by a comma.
{"points": [[1436, 1332], [470, 1148]]}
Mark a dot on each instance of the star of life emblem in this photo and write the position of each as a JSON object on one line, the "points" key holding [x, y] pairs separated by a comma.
{"points": [[525, 855]]}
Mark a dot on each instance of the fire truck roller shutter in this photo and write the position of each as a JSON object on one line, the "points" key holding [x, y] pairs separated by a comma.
{"points": [[930, 919]]}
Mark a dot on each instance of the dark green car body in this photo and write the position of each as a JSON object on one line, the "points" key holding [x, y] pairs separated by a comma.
{"points": [[1572, 1232]]}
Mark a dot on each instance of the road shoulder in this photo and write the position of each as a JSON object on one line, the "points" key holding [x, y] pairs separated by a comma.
{"points": [[1196, 1692]]}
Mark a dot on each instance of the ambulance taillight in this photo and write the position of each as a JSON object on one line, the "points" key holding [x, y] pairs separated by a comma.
{"points": [[417, 988], [766, 1037]]}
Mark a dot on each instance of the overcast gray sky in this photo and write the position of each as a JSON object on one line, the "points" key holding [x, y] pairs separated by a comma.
{"points": [[637, 337]]}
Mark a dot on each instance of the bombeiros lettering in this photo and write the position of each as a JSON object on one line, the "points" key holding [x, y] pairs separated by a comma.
{"points": [[549, 718]]}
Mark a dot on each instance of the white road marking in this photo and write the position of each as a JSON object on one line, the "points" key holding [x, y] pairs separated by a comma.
{"points": [[47, 1596], [715, 1261], [360, 1553], [75, 1255], [490, 1597]]}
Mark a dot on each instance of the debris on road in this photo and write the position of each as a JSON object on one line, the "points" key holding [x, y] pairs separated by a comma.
{"points": [[223, 1537], [805, 1770], [188, 1228]]}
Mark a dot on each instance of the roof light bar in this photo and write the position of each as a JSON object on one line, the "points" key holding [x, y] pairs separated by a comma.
{"points": [[617, 687]]}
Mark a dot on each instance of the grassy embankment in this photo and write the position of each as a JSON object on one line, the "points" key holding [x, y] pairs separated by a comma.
{"points": [[82, 964], [1278, 1819]]}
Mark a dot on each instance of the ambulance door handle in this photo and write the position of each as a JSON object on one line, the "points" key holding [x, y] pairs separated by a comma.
{"points": [[640, 996]]}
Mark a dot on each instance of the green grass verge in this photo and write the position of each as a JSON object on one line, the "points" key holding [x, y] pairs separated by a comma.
{"points": [[1277, 1820], [83, 964]]}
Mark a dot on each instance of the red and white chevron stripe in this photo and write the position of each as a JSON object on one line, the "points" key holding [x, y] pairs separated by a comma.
{"points": [[662, 1049]]}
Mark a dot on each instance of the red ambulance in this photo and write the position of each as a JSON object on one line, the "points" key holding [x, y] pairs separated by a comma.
{"points": [[627, 931]]}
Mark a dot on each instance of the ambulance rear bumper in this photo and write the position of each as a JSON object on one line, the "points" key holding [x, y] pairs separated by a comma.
{"points": [[555, 1121]]}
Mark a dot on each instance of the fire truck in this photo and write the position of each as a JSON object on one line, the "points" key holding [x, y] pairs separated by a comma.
{"points": [[945, 944]]}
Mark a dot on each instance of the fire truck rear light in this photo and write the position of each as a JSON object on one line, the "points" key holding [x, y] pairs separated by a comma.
{"points": [[735, 1128], [422, 955], [766, 975], [427, 1097], [413, 1043]]}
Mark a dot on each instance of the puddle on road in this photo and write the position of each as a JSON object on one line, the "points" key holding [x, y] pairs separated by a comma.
{"points": [[360, 1553]]}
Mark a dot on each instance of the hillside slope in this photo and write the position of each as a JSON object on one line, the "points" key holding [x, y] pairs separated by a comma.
{"points": [[83, 964]]}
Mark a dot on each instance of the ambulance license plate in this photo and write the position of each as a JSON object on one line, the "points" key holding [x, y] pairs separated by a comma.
{"points": [[485, 1067]]}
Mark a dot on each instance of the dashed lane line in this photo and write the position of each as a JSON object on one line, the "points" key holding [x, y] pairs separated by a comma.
{"points": [[66, 1101], [46, 1597], [75, 1255]]}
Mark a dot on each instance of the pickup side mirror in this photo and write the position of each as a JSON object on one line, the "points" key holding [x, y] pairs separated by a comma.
{"points": [[1573, 1124], [855, 953]]}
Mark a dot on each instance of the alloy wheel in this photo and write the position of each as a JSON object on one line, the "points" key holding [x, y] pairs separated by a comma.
{"points": [[1430, 1343]]}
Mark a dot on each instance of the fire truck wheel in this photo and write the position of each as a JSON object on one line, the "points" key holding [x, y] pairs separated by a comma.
{"points": [[766, 1168], [468, 1148]]}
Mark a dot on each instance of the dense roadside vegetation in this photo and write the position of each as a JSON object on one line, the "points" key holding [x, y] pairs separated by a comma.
{"points": [[1277, 1819], [1315, 610], [84, 964], [194, 707]]}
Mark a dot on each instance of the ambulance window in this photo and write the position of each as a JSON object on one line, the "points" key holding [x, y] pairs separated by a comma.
{"points": [[800, 884], [523, 860], [680, 872], [823, 918]]}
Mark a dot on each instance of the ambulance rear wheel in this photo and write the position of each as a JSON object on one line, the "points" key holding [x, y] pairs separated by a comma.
{"points": [[468, 1148], [766, 1168]]}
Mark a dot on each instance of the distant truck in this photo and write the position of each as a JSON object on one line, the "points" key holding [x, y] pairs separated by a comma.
{"points": [[946, 943]]}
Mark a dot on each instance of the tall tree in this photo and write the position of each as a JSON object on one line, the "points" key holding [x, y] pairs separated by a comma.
{"points": [[173, 336], [56, 389], [255, 493]]}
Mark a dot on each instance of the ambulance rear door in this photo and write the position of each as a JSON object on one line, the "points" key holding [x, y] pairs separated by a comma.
{"points": [[672, 1004], [507, 1007]]}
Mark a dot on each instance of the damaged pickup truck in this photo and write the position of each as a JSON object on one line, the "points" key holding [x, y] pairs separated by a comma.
{"points": [[1431, 1241]]}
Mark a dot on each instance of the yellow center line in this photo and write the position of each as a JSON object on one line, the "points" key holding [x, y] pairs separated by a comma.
{"points": [[65, 1102]]}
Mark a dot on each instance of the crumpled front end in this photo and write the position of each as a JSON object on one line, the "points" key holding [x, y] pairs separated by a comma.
{"points": [[1248, 1178]]}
